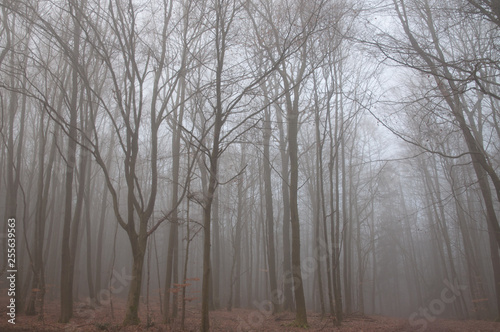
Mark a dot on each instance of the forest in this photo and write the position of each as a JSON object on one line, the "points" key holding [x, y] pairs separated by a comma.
{"points": [[250, 165]]}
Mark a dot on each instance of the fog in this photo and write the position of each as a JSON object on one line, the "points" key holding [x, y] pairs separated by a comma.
{"points": [[333, 157]]}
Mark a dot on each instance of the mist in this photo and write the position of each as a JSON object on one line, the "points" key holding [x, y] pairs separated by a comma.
{"points": [[232, 165]]}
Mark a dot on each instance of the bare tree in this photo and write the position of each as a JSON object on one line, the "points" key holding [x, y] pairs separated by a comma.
{"points": [[450, 81]]}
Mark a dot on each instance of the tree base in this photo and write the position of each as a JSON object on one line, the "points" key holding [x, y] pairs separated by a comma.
{"points": [[131, 320]]}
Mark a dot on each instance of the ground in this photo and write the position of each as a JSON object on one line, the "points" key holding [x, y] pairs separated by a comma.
{"points": [[104, 319]]}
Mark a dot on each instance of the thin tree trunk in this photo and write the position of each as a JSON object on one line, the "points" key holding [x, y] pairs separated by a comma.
{"points": [[66, 265], [288, 303], [321, 189], [346, 221], [37, 264], [212, 185], [238, 236], [301, 316], [186, 260], [334, 208], [87, 216], [271, 259], [102, 219], [216, 252], [361, 261], [474, 274]]}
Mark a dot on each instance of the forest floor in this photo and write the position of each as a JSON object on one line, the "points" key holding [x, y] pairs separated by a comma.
{"points": [[104, 319]]}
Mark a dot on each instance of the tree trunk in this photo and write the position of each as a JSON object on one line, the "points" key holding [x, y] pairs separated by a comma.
{"points": [[205, 323], [216, 255], [288, 303], [37, 264], [87, 216], [207, 208], [335, 207], [346, 222], [271, 259], [301, 316], [138, 253], [66, 265], [14, 159], [170, 259], [186, 260], [474, 273], [238, 236]]}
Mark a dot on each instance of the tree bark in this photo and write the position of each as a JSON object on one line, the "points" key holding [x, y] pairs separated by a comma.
{"points": [[288, 302], [138, 252], [292, 120], [271, 259], [66, 264]]}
